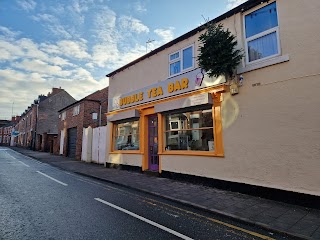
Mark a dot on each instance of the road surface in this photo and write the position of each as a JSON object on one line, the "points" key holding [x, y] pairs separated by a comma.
{"points": [[38, 201]]}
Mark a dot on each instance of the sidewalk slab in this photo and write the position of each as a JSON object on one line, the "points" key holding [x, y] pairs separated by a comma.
{"points": [[296, 221]]}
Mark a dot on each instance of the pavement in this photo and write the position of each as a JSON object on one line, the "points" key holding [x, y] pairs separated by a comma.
{"points": [[295, 221]]}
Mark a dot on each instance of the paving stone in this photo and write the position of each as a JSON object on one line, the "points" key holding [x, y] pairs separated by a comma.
{"points": [[275, 211], [313, 216], [263, 218], [316, 234], [304, 227], [281, 225]]}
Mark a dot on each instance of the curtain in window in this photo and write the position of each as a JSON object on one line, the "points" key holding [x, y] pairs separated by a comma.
{"points": [[263, 47]]}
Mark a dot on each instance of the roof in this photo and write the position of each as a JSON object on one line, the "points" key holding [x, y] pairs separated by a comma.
{"points": [[241, 8], [77, 102], [87, 98]]}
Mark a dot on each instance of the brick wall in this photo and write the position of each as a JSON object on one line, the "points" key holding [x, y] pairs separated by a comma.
{"points": [[102, 96], [48, 111], [88, 106], [72, 122]]}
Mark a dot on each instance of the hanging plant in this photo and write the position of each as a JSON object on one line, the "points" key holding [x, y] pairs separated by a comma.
{"points": [[218, 53]]}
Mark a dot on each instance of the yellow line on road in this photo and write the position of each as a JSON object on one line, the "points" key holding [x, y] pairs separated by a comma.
{"points": [[153, 202], [217, 221]]}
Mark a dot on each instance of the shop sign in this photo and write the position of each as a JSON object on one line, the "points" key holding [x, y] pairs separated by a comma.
{"points": [[183, 83]]}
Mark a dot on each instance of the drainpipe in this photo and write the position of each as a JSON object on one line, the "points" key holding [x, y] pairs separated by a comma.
{"points": [[100, 110], [35, 130]]}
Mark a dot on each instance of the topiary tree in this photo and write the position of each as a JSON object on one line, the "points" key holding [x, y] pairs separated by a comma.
{"points": [[218, 53]]}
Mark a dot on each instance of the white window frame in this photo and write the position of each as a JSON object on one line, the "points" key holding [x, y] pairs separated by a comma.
{"points": [[63, 116], [76, 110], [180, 58], [271, 30]]}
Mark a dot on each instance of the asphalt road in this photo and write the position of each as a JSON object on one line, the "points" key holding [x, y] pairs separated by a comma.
{"points": [[38, 201]]}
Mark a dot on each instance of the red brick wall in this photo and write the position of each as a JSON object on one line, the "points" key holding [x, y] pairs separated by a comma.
{"points": [[83, 119], [71, 122], [102, 96], [55, 145]]}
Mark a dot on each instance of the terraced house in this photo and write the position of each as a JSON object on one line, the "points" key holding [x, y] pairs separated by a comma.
{"points": [[167, 116], [38, 125]]}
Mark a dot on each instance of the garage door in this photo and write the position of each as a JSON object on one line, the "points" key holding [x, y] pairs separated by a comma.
{"points": [[72, 142]]}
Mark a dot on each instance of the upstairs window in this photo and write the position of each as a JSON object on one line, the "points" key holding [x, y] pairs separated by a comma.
{"points": [[76, 110], [181, 61], [262, 33], [63, 116]]}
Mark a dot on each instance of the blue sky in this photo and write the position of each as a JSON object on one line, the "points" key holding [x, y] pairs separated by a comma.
{"points": [[75, 43]]}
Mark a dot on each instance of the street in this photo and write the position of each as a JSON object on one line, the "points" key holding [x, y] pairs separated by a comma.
{"points": [[39, 201]]}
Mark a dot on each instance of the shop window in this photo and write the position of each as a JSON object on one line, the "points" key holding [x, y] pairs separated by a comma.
{"points": [[191, 131], [181, 61], [126, 136], [76, 110], [262, 33]]}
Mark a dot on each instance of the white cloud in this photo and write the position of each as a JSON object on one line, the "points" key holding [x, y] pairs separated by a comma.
{"points": [[12, 75], [139, 7], [59, 61], [104, 54], [132, 24], [27, 5], [104, 26], [234, 3], [12, 50], [7, 33], [38, 66], [54, 26], [80, 6], [166, 35], [30, 49], [89, 65], [44, 17], [73, 49]]}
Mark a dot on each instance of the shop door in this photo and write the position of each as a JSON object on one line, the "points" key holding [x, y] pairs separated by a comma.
{"points": [[153, 157], [72, 142]]}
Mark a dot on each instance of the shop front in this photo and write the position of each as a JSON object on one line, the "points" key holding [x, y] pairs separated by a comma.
{"points": [[177, 116]]}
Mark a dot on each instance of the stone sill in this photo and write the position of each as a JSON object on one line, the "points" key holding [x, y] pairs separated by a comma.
{"points": [[262, 64]]}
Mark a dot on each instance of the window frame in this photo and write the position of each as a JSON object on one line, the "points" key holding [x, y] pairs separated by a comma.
{"points": [[63, 115], [259, 35], [76, 110], [190, 111], [114, 136], [180, 58]]}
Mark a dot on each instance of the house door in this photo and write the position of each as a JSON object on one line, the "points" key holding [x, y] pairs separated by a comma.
{"points": [[153, 157], [72, 142]]}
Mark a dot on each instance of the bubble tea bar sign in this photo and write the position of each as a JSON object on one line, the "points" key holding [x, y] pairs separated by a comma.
{"points": [[183, 83]]}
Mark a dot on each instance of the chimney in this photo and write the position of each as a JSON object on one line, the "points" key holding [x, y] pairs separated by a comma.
{"points": [[55, 91], [41, 98]]}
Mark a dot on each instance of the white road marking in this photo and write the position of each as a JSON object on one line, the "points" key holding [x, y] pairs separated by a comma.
{"points": [[144, 219], [24, 164], [62, 183]]}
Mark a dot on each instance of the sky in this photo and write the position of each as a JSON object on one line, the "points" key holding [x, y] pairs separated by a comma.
{"points": [[73, 44]]}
